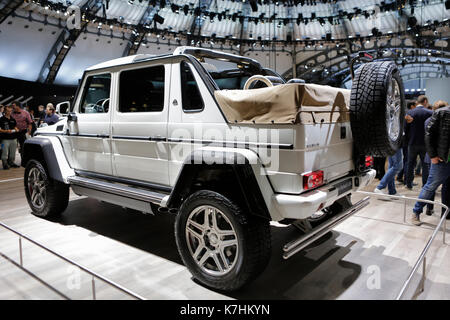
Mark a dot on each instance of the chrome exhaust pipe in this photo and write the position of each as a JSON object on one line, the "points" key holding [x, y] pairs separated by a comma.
{"points": [[305, 240]]}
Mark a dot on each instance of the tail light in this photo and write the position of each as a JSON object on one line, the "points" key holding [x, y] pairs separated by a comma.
{"points": [[312, 180], [369, 161]]}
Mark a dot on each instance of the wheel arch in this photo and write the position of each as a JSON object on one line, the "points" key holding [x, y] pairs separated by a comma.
{"points": [[229, 172], [49, 152]]}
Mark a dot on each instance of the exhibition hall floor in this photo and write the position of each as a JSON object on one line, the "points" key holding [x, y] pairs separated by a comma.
{"points": [[369, 256]]}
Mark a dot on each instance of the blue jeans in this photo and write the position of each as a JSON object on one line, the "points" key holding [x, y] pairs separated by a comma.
{"points": [[402, 173], [426, 170], [395, 165], [439, 173], [413, 152]]}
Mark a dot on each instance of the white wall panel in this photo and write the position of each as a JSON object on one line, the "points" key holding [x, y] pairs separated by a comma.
{"points": [[86, 53], [24, 49]]}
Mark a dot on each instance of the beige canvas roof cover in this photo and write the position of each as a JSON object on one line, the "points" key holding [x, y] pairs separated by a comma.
{"points": [[286, 103]]}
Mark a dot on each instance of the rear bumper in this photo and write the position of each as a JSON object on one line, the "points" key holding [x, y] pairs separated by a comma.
{"points": [[304, 205]]}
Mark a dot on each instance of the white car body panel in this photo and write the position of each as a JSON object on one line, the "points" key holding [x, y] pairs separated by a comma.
{"points": [[296, 149]]}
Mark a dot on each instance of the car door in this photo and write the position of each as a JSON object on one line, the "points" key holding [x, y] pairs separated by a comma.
{"points": [[139, 124], [89, 135]]}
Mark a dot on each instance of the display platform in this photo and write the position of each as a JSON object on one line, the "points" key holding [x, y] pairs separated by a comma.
{"points": [[368, 256]]}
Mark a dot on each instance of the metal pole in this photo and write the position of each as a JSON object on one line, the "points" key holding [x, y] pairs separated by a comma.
{"points": [[20, 251], [424, 265], [404, 211], [444, 228], [109, 282], [93, 289]]}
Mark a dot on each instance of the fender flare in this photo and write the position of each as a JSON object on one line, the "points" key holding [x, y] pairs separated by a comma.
{"points": [[48, 150], [248, 170]]}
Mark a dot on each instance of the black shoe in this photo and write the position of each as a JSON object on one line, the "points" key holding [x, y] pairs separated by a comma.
{"points": [[5, 167], [13, 165], [400, 179], [429, 212], [409, 187]]}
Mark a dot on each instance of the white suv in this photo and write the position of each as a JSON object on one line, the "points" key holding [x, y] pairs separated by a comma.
{"points": [[224, 144]]}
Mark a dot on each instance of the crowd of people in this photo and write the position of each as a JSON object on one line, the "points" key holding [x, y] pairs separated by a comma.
{"points": [[18, 122], [427, 138]]}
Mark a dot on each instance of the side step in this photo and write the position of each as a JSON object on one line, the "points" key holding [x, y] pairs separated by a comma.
{"points": [[305, 240], [118, 189]]}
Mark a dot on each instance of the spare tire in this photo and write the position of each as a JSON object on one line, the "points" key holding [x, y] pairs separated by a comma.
{"points": [[377, 109]]}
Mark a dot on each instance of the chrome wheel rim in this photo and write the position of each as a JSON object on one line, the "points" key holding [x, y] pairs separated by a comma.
{"points": [[37, 188], [393, 110], [212, 240]]}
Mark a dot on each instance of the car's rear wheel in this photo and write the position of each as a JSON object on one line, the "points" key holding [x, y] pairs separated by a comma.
{"points": [[46, 197], [377, 109], [222, 247]]}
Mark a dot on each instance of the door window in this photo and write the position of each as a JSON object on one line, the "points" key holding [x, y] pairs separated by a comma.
{"points": [[96, 94], [191, 97], [142, 90]]}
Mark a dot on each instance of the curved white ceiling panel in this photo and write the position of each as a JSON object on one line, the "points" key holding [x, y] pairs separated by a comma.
{"points": [[88, 50], [24, 47], [131, 13]]}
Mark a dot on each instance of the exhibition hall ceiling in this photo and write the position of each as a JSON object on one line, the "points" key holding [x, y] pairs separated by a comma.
{"points": [[41, 40]]}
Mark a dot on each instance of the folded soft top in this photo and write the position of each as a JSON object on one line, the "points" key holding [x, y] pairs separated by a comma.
{"points": [[286, 103]]}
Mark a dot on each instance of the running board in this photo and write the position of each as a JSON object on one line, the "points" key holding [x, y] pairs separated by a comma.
{"points": [[305, 240], [119, 189]]}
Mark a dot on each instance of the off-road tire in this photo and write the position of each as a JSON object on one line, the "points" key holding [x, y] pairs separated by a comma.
{"points": [[368, 106], [57, 193], [253, 236]]}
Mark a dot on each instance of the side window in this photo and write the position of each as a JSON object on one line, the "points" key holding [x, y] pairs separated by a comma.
{"points": [[190, 94], [96, 94], [142, 90]]}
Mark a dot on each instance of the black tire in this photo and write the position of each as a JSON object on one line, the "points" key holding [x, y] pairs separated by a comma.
{"points": [[369, 108], [56, 196], [253, 240]]}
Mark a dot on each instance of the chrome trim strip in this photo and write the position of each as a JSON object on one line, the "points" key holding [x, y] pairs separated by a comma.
{"points": [[235, 144], [121, 190]]}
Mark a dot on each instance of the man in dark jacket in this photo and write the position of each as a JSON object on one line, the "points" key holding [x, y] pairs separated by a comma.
{"points": [[416, 145], [437, 140]]}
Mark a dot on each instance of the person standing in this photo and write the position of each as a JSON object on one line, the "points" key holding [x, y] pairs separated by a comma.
{"points": [[401, 177], [427, 162], [416, 145], [23, 120], [50, 116], [40, 114], [8, 135], [437, 139]]}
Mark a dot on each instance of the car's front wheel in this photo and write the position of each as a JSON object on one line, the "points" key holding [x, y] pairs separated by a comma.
{"points": [[222, 247], [45, 196]]}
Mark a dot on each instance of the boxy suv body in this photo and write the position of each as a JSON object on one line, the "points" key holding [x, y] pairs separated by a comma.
{"points": [[148, 133]]}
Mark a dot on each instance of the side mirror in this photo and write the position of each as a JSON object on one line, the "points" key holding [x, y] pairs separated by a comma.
{"points": [[63, 107], [72, 116]]}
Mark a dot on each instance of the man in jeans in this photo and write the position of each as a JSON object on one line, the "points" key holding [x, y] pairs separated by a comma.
{"points": [[388, 180], [416, 146], [437, 141], [24, 123], [8, 135]]}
